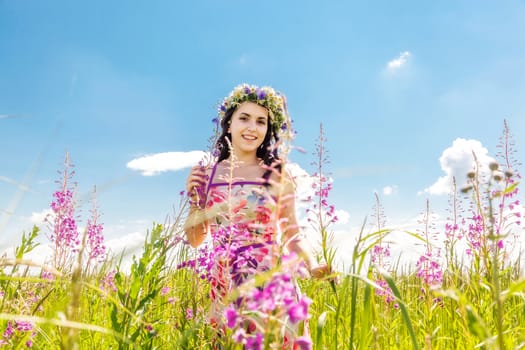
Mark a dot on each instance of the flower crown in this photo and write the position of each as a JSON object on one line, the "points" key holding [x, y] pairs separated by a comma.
{"points": [[264, 96]]}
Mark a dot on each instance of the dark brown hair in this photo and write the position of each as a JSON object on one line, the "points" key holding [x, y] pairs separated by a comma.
{"points": [[268, 151]]}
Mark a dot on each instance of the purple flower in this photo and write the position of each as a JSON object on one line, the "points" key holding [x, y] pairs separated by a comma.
{"points": [[261, 95], [189, 313], [239, 335], [9, 331], [254, 342], [304, 343], [231, 317], [299, 311], [23, 326]]}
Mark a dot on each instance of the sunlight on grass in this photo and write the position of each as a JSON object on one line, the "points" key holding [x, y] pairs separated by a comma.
{"points": [[457, 299]]}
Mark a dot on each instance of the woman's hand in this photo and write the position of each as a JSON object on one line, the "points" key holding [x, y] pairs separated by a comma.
{"points": [[196, 186], [321, 271]]}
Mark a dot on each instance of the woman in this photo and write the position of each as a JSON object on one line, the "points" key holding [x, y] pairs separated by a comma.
{"points": [[246, 201]]}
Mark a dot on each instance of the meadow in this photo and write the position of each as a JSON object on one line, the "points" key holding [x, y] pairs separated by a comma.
{"points": [[469, 295]]}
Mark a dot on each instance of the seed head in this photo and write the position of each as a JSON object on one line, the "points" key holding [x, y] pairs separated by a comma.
{"points": [[493, 166], [509, 174], [471, 174], [466, 189], [498, 176]]}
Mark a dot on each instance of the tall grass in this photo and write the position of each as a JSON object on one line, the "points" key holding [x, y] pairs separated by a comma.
{"points": [[465, 299]]}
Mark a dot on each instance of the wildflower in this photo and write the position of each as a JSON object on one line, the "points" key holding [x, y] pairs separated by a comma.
{"points": [[385, 291], [108, 282], [429, 270], [231, 317], [64, 235], [303, 343], [299, 311], [239, 335], [9, 331], [254, 342], [189, 313], [47, 275]]}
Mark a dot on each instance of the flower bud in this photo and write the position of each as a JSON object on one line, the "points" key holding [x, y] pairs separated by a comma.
{"points": [[466, 189], [498, 176], [471, 174], [493, 166], [509, 174]]}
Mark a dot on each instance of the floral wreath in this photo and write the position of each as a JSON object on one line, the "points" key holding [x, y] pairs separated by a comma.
{"points": [[264, 96]]}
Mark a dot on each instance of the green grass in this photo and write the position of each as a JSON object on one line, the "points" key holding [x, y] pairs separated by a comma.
{"points": [[478, 304], [140, 314]]}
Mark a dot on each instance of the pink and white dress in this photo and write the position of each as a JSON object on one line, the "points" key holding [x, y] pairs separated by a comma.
{"points": [[246, 243]]}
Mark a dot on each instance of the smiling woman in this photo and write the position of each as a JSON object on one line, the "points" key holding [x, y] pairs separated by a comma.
{"points": [[246, 202]]}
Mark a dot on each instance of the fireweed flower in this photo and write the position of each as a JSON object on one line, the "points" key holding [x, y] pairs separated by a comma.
{"points": [[95, 244], [298, 311], [254, 342], [231, 317], [303, 343], [259, 305], [108, 282], [17, 330], [429, 270], [8, 333], [64, 235]]}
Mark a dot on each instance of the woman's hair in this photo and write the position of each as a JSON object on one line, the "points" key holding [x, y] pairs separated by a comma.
{"points": [[268, 151]]}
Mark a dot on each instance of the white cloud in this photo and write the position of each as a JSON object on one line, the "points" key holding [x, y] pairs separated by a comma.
{"points": [[389, 190], [399, 61], [128, 244], [304, 182], [456, 161], [155, 164], [343, 217], [39, 218]]}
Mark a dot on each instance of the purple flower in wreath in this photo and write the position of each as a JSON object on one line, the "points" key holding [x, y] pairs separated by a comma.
{"points": [[261, 95]]}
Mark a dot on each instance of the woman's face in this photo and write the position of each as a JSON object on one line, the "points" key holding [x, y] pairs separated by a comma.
{"points": [[248, 127]]}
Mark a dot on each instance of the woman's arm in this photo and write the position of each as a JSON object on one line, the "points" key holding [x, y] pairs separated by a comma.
{"points": [[196, 224], [294, 240]]}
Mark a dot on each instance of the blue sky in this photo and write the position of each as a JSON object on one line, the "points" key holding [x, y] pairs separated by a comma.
{"points": [[397, 85]]}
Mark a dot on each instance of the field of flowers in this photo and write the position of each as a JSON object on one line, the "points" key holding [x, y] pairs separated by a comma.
{"points": [[453, 298]]}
